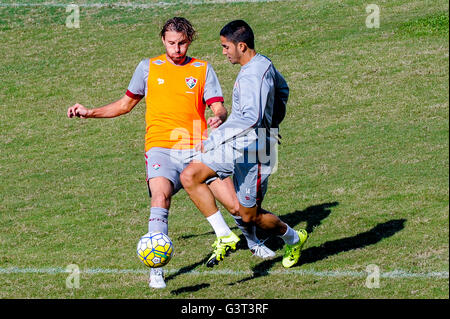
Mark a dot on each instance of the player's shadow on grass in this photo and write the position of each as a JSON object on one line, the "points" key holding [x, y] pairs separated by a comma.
{"points": [[187, 269], [189, 289], [370, 237], [334, 247], [312, 215]]}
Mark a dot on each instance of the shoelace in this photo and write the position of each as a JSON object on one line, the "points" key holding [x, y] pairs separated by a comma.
{"points": [[219, 250], [257, 250], [259, 244], [216, 243]]}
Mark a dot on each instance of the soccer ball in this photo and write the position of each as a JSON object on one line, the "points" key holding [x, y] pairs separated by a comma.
{"points": [[155, 249]]}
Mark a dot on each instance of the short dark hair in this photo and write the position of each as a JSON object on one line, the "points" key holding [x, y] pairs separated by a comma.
{"points": [[239, 31], [179, 24]]}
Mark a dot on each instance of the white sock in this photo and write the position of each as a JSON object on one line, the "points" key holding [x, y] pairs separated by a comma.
{"points": [[290, 237], [218, 224]]}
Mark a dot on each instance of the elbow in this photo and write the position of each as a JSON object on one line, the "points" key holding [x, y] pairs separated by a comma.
{"points": [[125, 104]]}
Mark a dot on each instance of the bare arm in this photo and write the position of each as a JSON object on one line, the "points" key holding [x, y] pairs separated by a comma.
{"points": [[220, 115], [117, 108]]}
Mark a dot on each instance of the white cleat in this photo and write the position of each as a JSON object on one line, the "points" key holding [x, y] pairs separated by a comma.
{"points": [[262, 251], [156, 278]]}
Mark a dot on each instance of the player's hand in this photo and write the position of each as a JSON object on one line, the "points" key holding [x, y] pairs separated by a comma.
{"points": [[77, 110], [214, 122], [200, 147]]}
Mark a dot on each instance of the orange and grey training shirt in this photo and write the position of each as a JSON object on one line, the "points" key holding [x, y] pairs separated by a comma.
{"points": [[176, 97]]}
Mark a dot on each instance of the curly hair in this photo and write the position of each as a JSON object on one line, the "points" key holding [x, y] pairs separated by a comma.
{"points": [[179, 24]]}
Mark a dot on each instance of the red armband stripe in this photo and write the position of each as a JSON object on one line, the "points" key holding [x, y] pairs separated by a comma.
{"points": [[134, 96], [214, 99]]}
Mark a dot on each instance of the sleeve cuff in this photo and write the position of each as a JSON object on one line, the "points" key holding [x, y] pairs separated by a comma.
{"points": [[214, 99], [134, 96]]}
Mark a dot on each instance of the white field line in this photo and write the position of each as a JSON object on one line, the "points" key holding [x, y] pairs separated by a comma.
{"points": [[300, 272], [129, 5]]}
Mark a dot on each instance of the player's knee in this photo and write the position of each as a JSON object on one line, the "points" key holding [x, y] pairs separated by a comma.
{"points": [[232, 207], [187, 177], [248, 217]]}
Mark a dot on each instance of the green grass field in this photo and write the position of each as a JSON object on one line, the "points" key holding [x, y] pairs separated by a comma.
{"points": [[364, 162]]}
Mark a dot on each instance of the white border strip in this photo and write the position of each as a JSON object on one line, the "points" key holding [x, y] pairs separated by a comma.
{"points": [[300, 272], [132, 5]]}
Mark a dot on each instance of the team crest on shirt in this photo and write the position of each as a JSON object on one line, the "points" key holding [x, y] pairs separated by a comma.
{"points": [[156, 166], [191, 82], [198, 64], [158, 62]]}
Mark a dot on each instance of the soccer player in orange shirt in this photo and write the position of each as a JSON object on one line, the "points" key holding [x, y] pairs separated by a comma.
{"points": [[177, 89]]}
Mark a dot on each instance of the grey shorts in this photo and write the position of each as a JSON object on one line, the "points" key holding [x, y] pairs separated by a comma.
{"points": [[168, 163], [250, 183], [250, 177]]}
